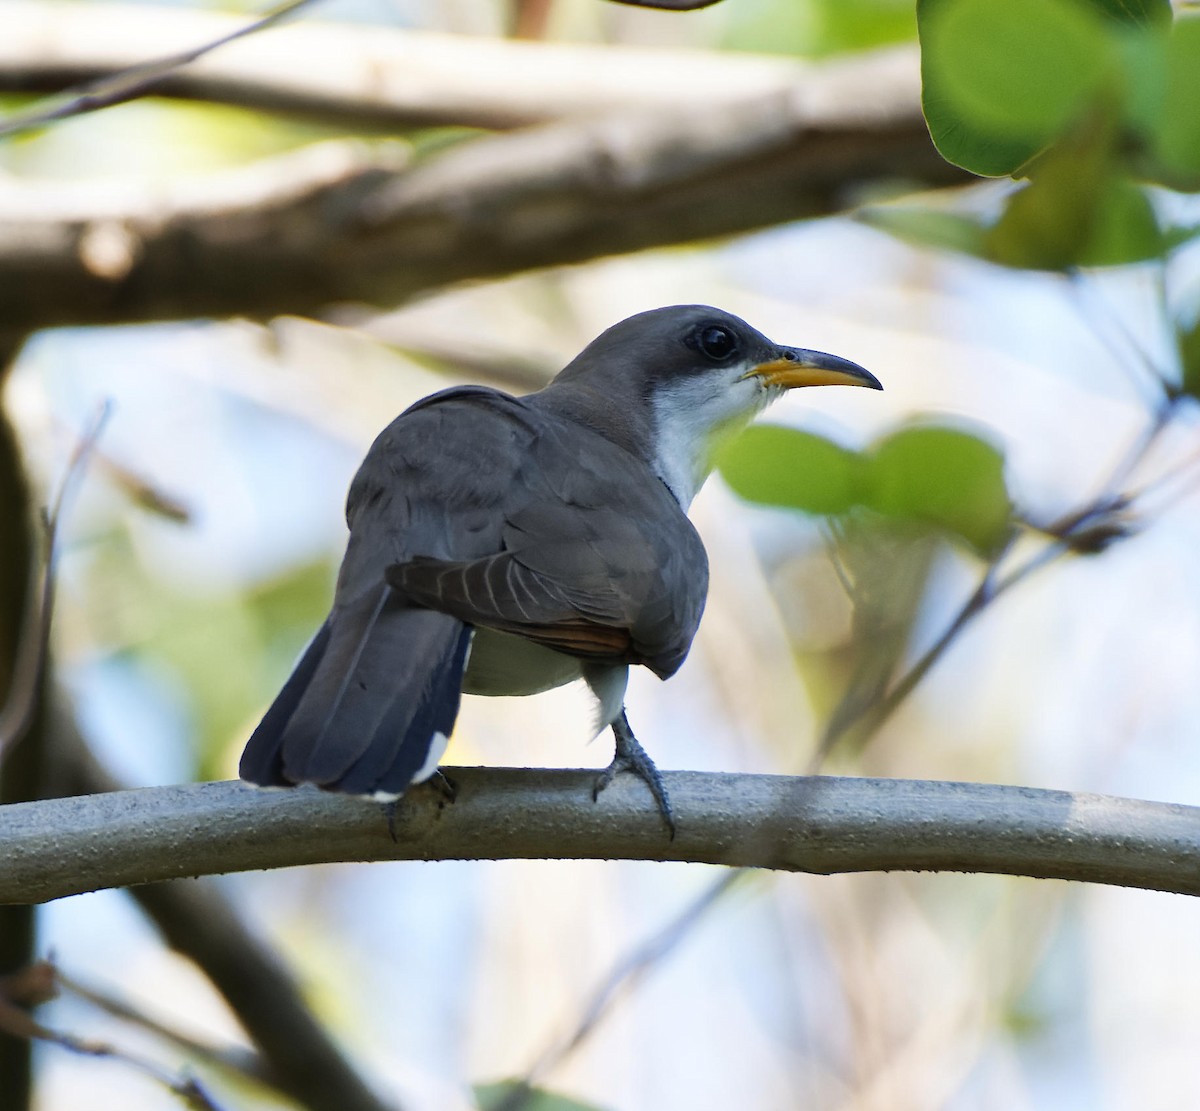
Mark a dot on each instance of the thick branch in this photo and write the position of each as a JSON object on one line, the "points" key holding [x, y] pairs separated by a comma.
{"points": [[22, 774], [812, 824], [337, 223], [362, 77]]}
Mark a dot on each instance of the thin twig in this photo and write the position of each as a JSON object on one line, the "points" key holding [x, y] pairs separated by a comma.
{"points": [[198, 921], [16, 1022], [623, 977], [22, 700], [880, 711], [1099, 523], [1186, 478], [1107, 497], [1081, 285], [136, 81], [238, 1059]]}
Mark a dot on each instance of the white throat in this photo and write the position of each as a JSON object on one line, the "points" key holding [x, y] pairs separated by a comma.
{"points": [[691, 418]]}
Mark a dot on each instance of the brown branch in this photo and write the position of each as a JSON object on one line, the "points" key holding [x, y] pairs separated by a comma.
{"points": [[338, 222], [138, 79], [21, 702], [375, 77], [23, 772], [810, 824]]}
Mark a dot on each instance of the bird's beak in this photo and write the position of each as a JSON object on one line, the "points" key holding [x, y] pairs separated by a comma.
{"points": [[794, 366]]}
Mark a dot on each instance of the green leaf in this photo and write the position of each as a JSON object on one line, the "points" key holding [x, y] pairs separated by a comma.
{"points": [[1124, 227], [939, 476], [1188, 341], [958, 138], [1143, 58], [928, 227], [1135, 13], [943, 477], [1177, 139], [787, 467], [489, 1096], [1078, 209], [1054, 226], [1002, 78]]}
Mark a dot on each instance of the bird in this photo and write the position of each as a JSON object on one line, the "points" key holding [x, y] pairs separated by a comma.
{"points": [[504, 545]]}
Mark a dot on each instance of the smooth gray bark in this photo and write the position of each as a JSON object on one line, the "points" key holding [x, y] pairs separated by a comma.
{"points": [[810, 824]]}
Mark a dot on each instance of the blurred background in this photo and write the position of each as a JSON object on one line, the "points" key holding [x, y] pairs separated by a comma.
{"points": [[200, 554]]}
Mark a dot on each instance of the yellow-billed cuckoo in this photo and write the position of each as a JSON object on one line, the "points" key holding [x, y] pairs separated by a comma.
{"points": [[503, 545]]}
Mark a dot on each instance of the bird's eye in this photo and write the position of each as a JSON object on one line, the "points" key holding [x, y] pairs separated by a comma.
{"points": [[716, 342]]}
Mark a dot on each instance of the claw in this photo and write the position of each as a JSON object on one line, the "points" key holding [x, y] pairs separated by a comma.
{"points": [[631, 757]]}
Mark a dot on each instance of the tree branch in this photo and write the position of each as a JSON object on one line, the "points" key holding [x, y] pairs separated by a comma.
{"points": [[367, 77], [819, 824], [341, 222], [139, 79], [24, 769]]}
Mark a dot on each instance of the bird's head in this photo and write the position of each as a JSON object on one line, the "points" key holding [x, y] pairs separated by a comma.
{"points": [[677, 381]]}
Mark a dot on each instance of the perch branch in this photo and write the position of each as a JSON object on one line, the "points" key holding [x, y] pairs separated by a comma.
{"points": [[812, 824]]}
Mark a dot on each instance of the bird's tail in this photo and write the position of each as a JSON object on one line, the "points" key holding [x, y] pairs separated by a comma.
{"points": [[371, 704]]}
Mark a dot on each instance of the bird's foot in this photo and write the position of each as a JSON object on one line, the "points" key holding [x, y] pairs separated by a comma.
{"points": [[631, 757]]}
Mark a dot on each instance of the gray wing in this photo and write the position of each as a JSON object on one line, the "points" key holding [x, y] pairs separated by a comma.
{"points": [[595, 558]]}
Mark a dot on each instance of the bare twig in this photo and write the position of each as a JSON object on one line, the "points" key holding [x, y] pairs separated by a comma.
{"points": [[1172, 485], [868, 717], [16, 1022], [22, 699], [237, 1059], [135, 81], [1105, 519], [623, 978], [813, 824], [633, 967], [1100, 316], [197, 920]]}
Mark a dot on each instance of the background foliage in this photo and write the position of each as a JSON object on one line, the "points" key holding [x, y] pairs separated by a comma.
{"points": [[986, 574]]}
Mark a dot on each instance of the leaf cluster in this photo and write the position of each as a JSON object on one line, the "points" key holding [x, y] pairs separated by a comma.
{"points": [[933, 475], [1089, 102]]}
